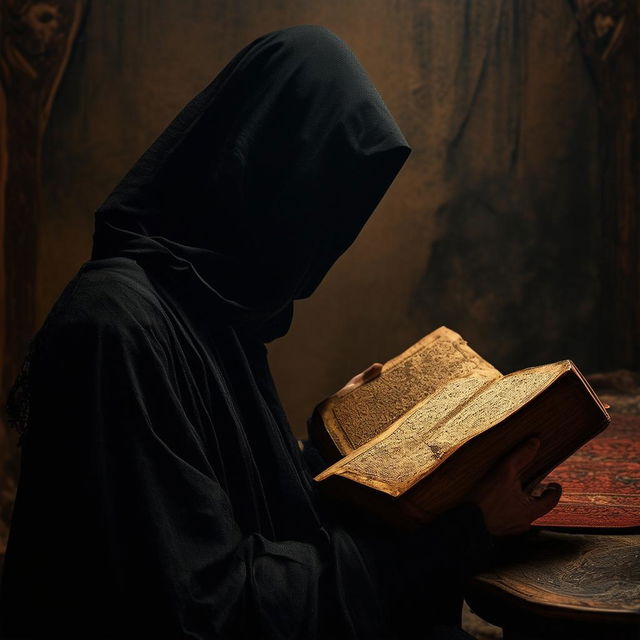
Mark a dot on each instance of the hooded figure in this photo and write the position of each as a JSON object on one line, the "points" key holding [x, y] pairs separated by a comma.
{"points": [[162, 493]]}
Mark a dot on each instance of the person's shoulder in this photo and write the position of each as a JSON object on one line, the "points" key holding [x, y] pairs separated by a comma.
{"points": [[112, 295]]}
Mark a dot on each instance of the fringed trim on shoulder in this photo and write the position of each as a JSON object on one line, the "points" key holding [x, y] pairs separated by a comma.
{"points": [[19, 398]]}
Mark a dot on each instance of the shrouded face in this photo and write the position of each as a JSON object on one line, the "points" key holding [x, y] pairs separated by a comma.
{"points": [[268, 175]]}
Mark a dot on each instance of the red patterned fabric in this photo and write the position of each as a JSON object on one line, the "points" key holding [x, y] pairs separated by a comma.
{"points": [[601, 481]]}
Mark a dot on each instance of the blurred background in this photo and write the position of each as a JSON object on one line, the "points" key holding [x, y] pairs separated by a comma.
{"points": [[513, 222]]}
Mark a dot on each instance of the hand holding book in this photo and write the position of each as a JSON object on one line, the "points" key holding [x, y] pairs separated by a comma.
{"points": [[507, 508], [438, 424]]}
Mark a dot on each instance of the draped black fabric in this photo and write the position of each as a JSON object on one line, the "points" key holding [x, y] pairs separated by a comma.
{"points": [[263, 180], [162, 493]]}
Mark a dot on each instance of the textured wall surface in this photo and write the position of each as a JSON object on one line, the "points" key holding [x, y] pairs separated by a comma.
{"points": [[492, 226]]}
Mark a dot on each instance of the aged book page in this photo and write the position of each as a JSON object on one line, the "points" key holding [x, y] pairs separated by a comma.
{"points": [[440, 357], [418, 442]]}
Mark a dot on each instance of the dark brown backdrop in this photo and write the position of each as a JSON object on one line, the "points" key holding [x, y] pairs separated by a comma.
{"points": [[496, 224]]}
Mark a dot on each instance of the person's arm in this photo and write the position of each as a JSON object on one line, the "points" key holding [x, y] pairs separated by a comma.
{"points": [[122, 529], [463, 540]]}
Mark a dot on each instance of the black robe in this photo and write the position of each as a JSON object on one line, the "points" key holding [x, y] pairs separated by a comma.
{"points": [[162, 493]]}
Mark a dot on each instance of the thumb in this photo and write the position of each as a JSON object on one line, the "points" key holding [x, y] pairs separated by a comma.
{"points": [[547, 501], [521, 456], [372, 372]]}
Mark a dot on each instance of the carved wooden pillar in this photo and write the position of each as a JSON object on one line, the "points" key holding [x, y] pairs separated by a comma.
{"points": [[36, 43], [610, 32]]}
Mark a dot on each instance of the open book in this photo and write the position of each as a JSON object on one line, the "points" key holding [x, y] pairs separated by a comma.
{"points": [[413, 441]]}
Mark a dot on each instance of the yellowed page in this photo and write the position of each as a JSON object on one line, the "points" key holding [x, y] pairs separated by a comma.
{"points": [[417, 443], [440, 357]]}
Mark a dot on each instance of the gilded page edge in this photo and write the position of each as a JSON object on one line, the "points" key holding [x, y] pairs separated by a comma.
{"points": [[591, 391], [334, 428]]}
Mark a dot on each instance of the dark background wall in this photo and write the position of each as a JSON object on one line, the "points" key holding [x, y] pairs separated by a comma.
{"points": [[493, 227]]}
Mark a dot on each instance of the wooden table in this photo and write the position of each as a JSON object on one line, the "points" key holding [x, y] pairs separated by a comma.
{"points": [[551, 585]]}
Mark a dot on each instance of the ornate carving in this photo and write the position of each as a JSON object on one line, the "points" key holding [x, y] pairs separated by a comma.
{"points": [[35, 47], [602, 26], [609, 33]]}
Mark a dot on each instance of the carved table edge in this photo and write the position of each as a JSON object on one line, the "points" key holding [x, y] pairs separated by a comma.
{"points": [[478, 590]]}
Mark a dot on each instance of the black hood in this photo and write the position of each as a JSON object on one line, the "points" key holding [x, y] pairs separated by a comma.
{"points": [[261, 182]]}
